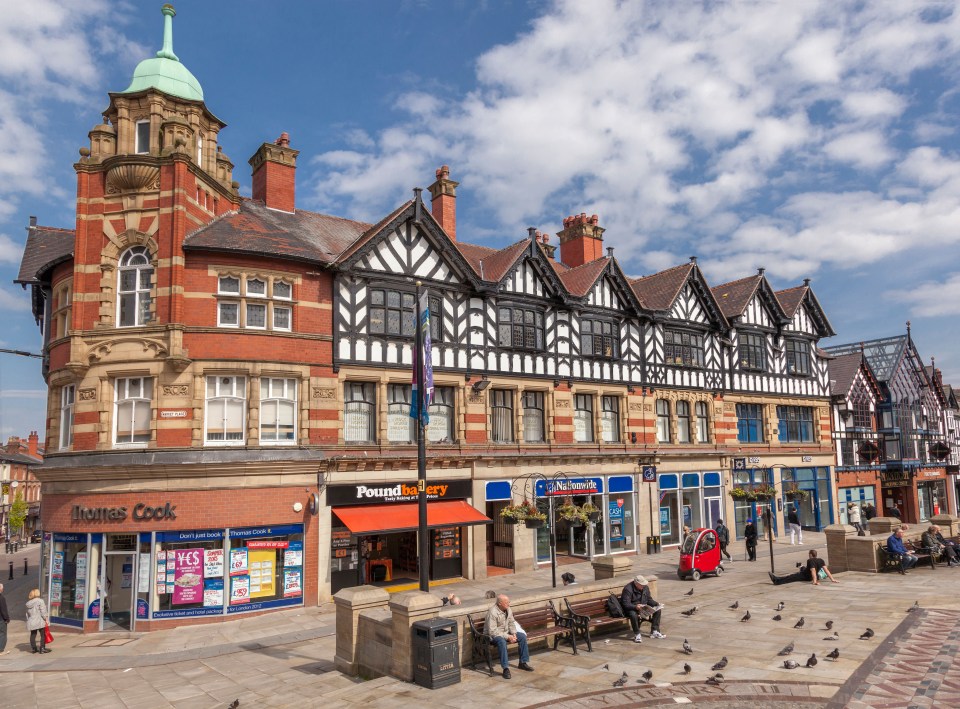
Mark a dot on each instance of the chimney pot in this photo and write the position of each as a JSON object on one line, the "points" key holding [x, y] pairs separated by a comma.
{"points": [[761, 271], [581, 240], [33, 220], [443, 201], [532, 233], [284, 140], [274, 174], [610, 252], [693, 259], [806, 281]]}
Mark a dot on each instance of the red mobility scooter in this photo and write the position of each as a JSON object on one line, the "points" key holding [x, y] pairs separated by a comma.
{"points": [[700, 554]]}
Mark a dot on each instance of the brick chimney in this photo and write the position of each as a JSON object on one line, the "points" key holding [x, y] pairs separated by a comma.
{"points": [[443, 202], [32, 441], [581, 240], [274, 174], [13, 445]]}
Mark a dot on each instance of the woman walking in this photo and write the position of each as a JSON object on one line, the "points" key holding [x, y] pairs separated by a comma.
{"points": [[853, 514], [36, 621]]}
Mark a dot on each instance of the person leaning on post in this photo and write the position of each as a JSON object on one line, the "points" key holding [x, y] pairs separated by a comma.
{"points": [[502, 627]]}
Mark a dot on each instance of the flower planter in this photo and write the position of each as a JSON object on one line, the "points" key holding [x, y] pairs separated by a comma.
{"points": [[510, 519], [593, 516], [533, 522]]}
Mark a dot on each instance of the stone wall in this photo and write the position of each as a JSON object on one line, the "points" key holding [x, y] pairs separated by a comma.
{"points": [[848, 552]]}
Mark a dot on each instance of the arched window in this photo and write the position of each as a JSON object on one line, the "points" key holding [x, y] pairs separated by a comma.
{"points": [[135, 282]]}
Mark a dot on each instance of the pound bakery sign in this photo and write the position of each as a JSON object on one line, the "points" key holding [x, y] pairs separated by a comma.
{"points": [[396, 492], [141, 513]]}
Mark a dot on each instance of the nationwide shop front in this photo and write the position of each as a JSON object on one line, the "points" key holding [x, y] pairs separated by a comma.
{"points": [[374, 528], [140, 561]]}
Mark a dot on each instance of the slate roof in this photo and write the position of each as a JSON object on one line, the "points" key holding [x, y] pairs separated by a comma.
{"points": [[19, 458], [843, 370], [46, 247], [578, 281], [660, 290], [255, 229], [734, 296], [791, 298]]}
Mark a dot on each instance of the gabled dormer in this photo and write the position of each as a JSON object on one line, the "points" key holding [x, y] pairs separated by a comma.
{"points": [[756, 318]]}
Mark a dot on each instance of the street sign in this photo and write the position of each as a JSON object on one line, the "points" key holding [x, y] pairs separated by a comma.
{"points": [[739, 463], [649, 473]]}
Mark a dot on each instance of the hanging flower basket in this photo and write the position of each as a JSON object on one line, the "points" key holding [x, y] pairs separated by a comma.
{"points": [[763, 493], [512, 514], [796, 493], [535, 522], [742, 494], [591, 511], [569, 512]]}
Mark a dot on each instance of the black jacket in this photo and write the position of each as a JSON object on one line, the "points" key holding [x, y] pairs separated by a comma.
{"points": [[750, 535], [631, 597], [793, 517], [4, 613], [723, 533]]}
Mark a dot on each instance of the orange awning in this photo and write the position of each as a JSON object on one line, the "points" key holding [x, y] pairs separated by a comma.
{"points": [[365, 519]]}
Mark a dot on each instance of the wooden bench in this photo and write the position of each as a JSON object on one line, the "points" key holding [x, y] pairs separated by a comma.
{"points": [[591, 615], [923, 553], [539, 623], [891, 562]]}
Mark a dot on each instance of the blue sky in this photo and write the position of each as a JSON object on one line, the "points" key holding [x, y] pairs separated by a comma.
{"points": [[815, 139]]}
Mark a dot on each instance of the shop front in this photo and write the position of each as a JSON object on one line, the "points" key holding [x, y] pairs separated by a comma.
{"points": [[374, 530], [931, 492], [693, 499], [614, 529], [898, 494], [807, 490], [134, 562], [859, 487], [746, 505]]}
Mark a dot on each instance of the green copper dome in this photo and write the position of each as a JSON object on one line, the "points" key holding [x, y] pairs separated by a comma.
{"points": [[165, 72]]}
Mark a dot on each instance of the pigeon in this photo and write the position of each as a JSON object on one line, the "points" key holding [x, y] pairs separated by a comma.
{"points": [[799, 623], [790, 664], [786, 650], [812, 660], [716, 679], [835, 654], [835, 636], [829, 625], [234, 704], [868, 633], [780, 606], [622, 681], [606, 667], [736, 604], [647, 676], [690, 611], [746, 617], [687, 649], [720, 665], [689, 593], [914, 607], [686, 668], [777, 617]]}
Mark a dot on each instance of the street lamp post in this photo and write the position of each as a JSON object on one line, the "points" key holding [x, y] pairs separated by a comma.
{"points": [[534, 478]]}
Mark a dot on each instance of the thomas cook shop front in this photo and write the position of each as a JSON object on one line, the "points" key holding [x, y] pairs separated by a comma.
{"points": [[374, 532]]}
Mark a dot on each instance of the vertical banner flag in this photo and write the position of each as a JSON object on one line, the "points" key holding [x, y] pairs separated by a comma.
{"points": [[420, 401]]}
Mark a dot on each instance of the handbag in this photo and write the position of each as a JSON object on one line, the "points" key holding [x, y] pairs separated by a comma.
{"points": [[821, 574], [47, 635]]}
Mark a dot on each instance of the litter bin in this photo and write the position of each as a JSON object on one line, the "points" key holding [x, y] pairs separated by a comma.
{"points": [[653, 545], [436, 653]]}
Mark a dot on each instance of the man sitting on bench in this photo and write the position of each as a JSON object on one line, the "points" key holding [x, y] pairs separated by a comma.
{"points": [[895, 547], [502, 627], [638, 604]]}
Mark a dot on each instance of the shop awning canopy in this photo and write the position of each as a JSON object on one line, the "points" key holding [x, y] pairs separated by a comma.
{"points": [[366, 519]]}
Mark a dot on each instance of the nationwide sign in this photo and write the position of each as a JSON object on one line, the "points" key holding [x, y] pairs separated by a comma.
{"points": [[379, 493], [569, 486]]}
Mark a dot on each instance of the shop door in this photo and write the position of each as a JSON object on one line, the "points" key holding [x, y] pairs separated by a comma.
{"points": [[116, 587], [499, 538], [713, 512]]}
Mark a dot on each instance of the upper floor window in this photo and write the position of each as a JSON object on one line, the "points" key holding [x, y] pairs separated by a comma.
{"points": [[610, 419], [441, 428], [599, 338], [133, 398], [703, 422], [753, 351], [663, 421], [750, 423], [60, 311], [583, 418], [226, 410], [67, 395], [400, 427], [200, 149], [798, 357], [135, 283], [501, 415], [251, 307], [142, 140], [796, 424], [534, 429], [683, 422], [683, 348], [860, 409], [278, 411], [392, 313], [359, 412], [520, 328]]}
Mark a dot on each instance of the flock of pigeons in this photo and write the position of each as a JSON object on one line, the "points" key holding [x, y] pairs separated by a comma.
{"points": [[717, 678]]}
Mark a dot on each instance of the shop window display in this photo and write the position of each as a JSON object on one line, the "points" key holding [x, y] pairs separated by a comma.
{"points": [[189, 571], [266, 565], [69, 574]]}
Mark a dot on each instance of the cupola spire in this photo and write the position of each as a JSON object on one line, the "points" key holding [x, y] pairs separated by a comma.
{"points": [[166, 52]]}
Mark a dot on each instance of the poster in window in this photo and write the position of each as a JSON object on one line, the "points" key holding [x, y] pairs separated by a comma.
{"points": [[292, 583], [213, 563], [446, 543], [293, 555], [56, 590], [615, 515], [80, 591], [340, 539], [143, 574], [239, 589], [262, 572], [580, 428], [664, 520], [213, 593], [57, 570], [238, 562], [188, 577], [126, 575]]}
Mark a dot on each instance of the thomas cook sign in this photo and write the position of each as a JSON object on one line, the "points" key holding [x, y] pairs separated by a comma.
{"points": [[141, 512]]}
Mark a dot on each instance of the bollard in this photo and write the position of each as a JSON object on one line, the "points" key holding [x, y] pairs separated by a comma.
{"points": [[11, 571], [25, 571]]}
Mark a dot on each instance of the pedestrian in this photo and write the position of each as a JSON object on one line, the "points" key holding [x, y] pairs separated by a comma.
{"points": [[793, 521], [4, 620], [815, 571], [750, 539], [869, 511], [853, 514], [568, 579], [37, 621], [723, 534]]}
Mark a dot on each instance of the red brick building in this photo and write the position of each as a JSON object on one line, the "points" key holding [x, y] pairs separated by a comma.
{"points": [[18, 458]]}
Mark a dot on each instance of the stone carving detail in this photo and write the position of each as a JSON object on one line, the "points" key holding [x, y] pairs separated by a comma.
{"points": [[87, 395], [176, 390], [475, 398], [636, 407], [324, 393], [563, 403], [648, 407]]}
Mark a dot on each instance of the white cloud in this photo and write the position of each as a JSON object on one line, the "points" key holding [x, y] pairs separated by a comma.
{"points": [[865, 149], [881, 103], [10, 250], [933, 299], [13, 301]]}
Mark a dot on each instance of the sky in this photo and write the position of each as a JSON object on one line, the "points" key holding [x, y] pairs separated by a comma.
{"points": [[815, 139]]}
